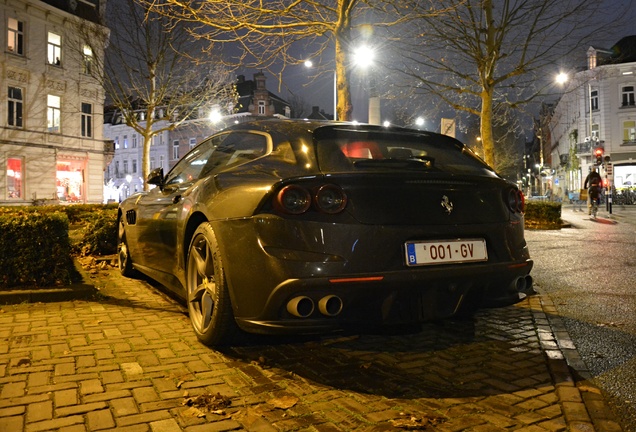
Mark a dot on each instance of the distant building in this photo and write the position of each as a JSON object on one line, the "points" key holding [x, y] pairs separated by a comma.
{"points": [[318, 114], [255, 99], [51, 130], [123, 176], [596, 112]]}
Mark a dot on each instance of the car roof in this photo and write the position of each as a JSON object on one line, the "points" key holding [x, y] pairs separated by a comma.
{"points": [[304, 126]]}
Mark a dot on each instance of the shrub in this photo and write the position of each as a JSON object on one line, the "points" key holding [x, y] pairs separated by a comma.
{"points": [[543, 215], [98, 234], [36, 246], [35, 249]]}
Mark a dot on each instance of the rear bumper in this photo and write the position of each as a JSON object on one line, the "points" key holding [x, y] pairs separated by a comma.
{"points": [[373, 300], [274, 266]]}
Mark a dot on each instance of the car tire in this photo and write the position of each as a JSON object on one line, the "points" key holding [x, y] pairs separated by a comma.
{"points": [[123, 253], [208, 296]]}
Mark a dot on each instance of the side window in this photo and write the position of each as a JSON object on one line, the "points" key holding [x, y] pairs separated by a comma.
{"points": [[189, 168], [236, 149]]}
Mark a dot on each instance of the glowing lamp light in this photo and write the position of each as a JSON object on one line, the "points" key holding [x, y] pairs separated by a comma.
{"points": [[215, 116]]}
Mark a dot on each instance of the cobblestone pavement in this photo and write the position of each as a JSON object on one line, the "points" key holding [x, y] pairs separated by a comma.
{"points": [[127, 360]]}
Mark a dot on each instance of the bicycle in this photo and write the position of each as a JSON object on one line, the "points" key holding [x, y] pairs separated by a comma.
{"points": [[594, 210], [595, 196]]}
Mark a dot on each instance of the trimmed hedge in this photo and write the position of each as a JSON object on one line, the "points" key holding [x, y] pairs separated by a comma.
{"points": [[543, 215], [37, 248]]}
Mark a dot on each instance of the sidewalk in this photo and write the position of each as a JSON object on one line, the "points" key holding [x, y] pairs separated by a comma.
{"points": [[619, 213], [127, 360]]}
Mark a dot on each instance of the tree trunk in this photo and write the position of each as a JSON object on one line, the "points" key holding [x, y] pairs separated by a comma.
{"points": [[342, 42], [485, 127]]}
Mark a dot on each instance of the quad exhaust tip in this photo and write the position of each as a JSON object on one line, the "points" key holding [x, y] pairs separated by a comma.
{"points": [[303, 306], [330, 305], [523, 284]]}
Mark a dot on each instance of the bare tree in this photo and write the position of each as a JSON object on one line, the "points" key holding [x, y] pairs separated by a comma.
{"points": [[299, 106], [153, 77], [273, 34], [483, 56]]}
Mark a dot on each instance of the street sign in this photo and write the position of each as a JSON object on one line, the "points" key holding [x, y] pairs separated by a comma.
{"points": [[448, 127]]}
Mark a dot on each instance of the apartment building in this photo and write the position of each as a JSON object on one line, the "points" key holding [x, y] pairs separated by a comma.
{"points": [[51, 125], [595, 120]]}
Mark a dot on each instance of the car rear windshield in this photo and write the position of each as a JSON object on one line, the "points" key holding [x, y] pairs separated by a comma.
{"points": [[341, 150]]}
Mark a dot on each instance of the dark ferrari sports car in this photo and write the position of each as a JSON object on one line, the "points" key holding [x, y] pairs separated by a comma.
{"points": [[301, 227]]}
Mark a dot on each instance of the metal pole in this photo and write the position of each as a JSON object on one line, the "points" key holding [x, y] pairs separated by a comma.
{"points": [[335, 95]]}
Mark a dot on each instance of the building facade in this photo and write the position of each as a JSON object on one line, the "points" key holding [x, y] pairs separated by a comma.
{"points": [[51, 125], [123, 176], [595, 119]]}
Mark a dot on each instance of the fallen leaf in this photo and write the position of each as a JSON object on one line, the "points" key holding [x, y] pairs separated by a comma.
{"points": [[283, 402], [193, 412], [208, 402]]}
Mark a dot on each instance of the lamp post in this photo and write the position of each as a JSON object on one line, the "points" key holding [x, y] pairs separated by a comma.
{"points": [[364, 57], [309, 64]]}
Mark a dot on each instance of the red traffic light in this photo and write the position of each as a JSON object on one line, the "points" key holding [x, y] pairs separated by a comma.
{"points": [[598, 153]]}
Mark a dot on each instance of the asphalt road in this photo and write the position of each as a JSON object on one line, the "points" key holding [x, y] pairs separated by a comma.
{"points": [[588, 271]]}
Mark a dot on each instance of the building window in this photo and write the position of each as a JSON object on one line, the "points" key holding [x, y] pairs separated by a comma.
{"points": [[126, 166], [152, 163], [54, 49], [117, 169], [14, 178], [193, 143], [125, 141], [87, 60], [594, 100], [15, 36], [627, 93], [629, 131], [261, 107], [161, 162], [134, 141], [175, 149], [596, 133], [15, 107], [87, 120], [116, 140], [53, 113], [134, 166]]}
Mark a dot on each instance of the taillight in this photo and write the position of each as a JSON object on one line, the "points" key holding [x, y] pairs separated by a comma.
{"points": [[330, 199], [516, 201], [295, 199]]}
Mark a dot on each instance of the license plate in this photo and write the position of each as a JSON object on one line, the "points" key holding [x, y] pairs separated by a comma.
{"points": [[445, 251]]}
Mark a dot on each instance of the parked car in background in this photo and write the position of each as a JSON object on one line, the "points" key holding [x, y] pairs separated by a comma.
{"points": [[301, 227]]}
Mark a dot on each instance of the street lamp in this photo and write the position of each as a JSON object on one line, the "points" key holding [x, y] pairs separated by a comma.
{"points": [[364, 57], [215, 115]]}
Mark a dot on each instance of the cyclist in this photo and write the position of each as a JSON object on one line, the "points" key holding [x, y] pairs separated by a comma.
{"points": [[593, 186]]}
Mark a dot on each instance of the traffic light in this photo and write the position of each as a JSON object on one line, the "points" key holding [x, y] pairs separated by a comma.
{"points": [[598, 154]]}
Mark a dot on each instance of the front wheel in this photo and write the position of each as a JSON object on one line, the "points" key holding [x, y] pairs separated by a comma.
{"points": [[123, 254], [208, 295]]}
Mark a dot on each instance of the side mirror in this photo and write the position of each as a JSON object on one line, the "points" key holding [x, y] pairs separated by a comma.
{"points": [[156, 177]]}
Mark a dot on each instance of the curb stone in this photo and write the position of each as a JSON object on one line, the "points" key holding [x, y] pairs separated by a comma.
{"points": [[583, 404]]}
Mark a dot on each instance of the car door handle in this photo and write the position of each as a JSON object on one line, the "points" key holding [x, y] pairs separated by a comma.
{"points": [[176, 199]]}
